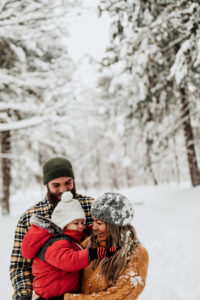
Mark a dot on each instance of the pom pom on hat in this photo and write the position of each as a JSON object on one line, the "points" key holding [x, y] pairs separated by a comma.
{"points": [[67, 197], [113, 208], [67, 210]]}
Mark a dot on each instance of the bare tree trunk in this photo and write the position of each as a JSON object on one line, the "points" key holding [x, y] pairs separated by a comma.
{"points": [[149, 162], [6, 180], [128, 173], [176, 160], [189, 139], [113, 175], [98, 171]]}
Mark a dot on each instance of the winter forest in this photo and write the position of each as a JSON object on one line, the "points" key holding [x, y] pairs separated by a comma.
{"points": [[124, 110], [127, 119]]}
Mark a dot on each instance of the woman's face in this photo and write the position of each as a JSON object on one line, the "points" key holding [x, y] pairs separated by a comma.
{"points": [[100, 228]]}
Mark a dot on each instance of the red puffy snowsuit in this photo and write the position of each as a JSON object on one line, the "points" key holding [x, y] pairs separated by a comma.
{"points": [[60, 273]]}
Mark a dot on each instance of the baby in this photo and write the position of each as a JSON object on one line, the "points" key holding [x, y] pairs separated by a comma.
{"points": [[56, 250]]}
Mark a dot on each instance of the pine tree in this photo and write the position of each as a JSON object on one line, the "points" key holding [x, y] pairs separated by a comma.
{"points": [[154, 48], [34, 68]]}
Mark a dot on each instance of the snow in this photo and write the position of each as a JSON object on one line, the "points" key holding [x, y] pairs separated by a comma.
{"points": [[33, 121], [167, 222], [179, 68], [136, 280], [89, 35]]}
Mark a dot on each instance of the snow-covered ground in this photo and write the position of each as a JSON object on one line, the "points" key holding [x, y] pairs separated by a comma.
{"points": [[167, 220]]}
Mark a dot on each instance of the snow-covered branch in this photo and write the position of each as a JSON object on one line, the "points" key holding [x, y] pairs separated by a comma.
{"points": [[26, 123]]}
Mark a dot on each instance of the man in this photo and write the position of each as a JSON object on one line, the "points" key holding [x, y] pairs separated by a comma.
{"points": [[58, 176]]}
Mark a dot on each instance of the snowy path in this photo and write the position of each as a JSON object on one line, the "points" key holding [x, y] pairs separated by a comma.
{"points": [[168, 223], [7, 234]]}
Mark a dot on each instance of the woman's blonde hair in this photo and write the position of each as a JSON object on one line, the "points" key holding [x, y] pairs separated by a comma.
{"points": [[123, 237]]}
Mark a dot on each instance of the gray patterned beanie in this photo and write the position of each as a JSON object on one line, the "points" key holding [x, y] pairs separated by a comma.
{"points": [[113, 208]]}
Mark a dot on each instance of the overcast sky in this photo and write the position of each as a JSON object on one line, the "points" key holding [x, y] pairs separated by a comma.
{"points": [[89, 35]]}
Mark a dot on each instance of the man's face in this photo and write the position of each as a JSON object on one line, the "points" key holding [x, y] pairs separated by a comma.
{"points": [[58, 186]]}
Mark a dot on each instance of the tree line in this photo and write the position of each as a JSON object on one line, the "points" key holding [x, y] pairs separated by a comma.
{"points": [[129, 119]]}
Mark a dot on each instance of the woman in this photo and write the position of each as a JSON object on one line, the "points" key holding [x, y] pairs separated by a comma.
{"points": [[122, 276], [56, 250]]}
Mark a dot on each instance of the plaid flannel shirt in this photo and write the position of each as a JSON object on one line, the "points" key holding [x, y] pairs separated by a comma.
{"points": [[20, 268]]}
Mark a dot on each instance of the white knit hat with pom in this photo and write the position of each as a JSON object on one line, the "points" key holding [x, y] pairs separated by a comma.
{"points": [[67, 210]]}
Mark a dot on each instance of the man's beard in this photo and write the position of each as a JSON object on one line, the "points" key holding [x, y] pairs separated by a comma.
{"points": [[55, 198]]}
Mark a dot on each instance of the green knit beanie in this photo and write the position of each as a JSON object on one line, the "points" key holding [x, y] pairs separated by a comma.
{"points": [[57, 167]]}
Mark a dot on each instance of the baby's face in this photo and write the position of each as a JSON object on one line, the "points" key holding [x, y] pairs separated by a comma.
{"points": [[77, 224]]}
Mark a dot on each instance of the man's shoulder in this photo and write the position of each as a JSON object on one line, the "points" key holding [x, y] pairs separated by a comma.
{"points": [[42, 208], [84, 198]]}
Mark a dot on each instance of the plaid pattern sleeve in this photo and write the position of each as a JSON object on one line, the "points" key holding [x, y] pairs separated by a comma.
{"points": [[86, 203], [20, 268]]}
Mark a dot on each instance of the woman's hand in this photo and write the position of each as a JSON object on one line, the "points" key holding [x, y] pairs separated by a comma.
{"points": [[101, 252]]}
